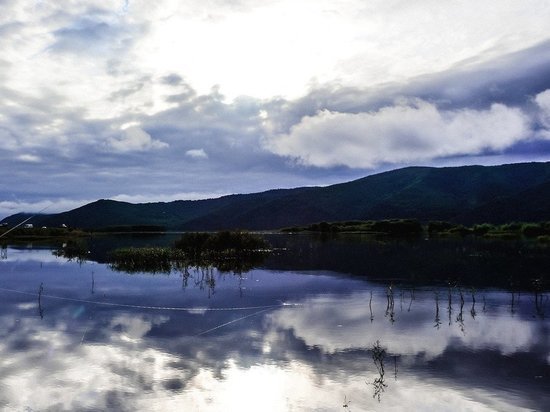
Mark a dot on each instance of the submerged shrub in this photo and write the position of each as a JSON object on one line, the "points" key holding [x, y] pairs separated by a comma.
{"points": [[199, 244], [533, 230], [483, 229], [439, 227], [398, 227], [193, 244], [150, 259]]}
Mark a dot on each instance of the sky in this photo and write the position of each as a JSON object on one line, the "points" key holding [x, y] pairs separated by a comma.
{"points": [[146, 101]]}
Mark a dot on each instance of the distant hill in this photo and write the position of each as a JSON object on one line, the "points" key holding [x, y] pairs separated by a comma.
{"points": [[467, 194]]}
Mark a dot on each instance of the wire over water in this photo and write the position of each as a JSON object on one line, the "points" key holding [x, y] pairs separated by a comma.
{"points": [[24, 221], [171, 308]]}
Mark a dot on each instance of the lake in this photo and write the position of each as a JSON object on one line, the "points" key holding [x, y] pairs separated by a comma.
{"points": [[344, 324]]}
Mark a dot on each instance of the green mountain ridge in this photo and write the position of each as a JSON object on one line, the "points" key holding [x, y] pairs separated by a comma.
{"points": [[465, 194]]}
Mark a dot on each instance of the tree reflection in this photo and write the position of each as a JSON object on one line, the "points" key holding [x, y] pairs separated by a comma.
{"points": [[205, 279], [378, 356], [157, 260], [346, 403], [539, 304], [395, 366], [437, 318], [412, 298], [449, 304], [165, 260], [460, 316], [390, 303], [40, 310], [73, 250], [185, 275], [473, 309], [370, 307]]}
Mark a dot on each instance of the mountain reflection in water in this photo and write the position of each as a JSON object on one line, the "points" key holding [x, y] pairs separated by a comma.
{"points": [[80, 336]]}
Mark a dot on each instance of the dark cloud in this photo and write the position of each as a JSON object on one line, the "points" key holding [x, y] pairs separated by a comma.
{"points": [[512, 80], [130, 89], [172, 79], [95, 31], [83, 36]]}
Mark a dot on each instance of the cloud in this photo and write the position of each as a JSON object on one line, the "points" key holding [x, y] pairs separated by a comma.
{"points": [[315, 321], [83, 36], [196, 154], [10, 207], [408, 132], [135, 139], [29, 158], [543, 102], [172, 79], [150, 198], [511, 79], [73, 77]]}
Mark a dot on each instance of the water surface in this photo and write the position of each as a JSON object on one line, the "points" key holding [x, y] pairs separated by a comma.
{"points": [[81, 336]]}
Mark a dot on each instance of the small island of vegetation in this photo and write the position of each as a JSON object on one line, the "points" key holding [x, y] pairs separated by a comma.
{"points": [[227, 250]]}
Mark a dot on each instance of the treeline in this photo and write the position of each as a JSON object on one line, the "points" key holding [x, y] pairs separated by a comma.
{"points": [[513, 230], [131, 229], [67, 232], [412, 227], [39, 232], [396, 227]]}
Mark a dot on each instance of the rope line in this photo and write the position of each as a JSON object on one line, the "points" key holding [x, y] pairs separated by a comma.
{"points": [[25, 221], [231, 321], [174, 308]]}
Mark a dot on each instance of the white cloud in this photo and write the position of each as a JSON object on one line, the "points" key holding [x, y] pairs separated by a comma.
{"points": [[29, 158], [310, 322], [281, 47], [196, 154], [135, 139], [163, 197], [10, 207], [407, 132]]}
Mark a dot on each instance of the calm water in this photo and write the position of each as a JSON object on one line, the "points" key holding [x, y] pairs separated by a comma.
{"points": [[289, 336]]}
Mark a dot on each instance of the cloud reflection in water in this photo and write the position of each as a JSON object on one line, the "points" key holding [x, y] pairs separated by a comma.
{"points": [[308, 357]]}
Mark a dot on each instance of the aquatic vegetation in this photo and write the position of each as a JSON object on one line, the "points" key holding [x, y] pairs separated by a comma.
{"points": [[146, 259], [73, 250], [235, 243], [236, 252]]}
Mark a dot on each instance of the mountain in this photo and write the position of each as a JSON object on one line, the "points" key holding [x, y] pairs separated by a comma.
{"points": [[466, 194]]}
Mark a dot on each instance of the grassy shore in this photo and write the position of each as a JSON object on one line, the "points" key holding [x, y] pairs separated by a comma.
{"points": [[412, 228]]}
